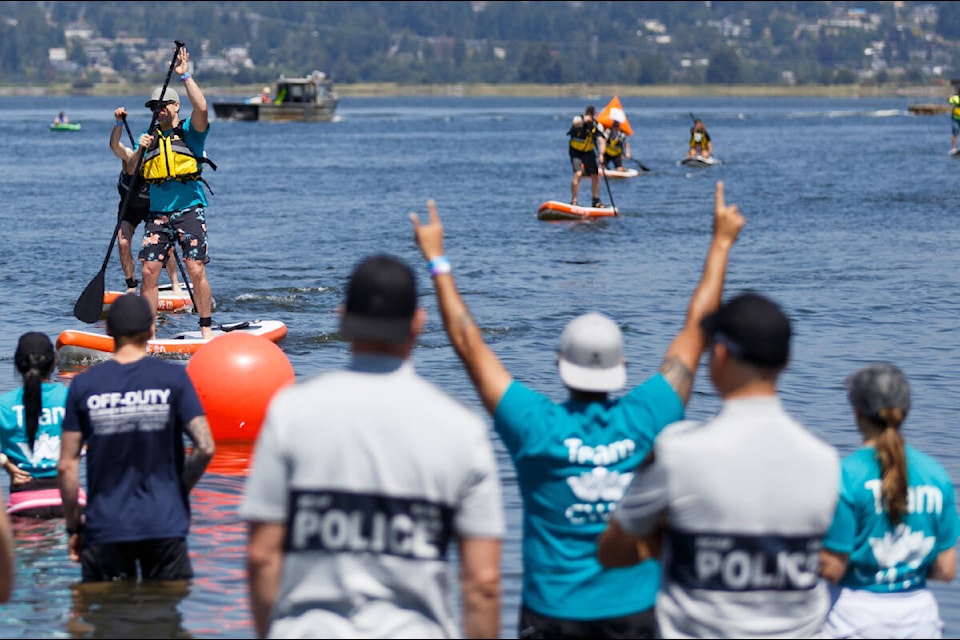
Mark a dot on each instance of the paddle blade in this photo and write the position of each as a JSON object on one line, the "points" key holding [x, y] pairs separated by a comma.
{"points": [[89, 305]]}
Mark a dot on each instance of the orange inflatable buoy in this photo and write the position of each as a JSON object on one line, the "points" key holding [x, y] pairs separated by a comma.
{"points": [[614, 111], [236, 376]]}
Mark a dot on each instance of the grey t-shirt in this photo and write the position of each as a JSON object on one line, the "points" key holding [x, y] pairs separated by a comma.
{"points": [[374, 471], [746, 498]]}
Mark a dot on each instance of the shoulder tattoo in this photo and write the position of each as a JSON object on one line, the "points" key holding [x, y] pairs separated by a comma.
{"points": [[678, 375]]}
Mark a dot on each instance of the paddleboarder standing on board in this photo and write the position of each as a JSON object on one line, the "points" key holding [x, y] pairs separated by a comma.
{"points": [[172, 165], [138, 207], [586, 145]]}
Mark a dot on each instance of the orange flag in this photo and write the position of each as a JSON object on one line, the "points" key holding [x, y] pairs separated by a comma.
{"points": [[614, 111]]}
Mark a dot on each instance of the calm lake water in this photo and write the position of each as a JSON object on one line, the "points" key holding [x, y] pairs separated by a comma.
{"points": [[852, 225]]}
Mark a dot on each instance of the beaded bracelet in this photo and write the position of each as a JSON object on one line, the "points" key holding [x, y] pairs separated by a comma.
{"points": [[185, 77], [439, 266], [119, 123]]}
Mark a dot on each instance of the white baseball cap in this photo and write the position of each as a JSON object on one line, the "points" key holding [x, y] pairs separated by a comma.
{"points": [[591, 354]]}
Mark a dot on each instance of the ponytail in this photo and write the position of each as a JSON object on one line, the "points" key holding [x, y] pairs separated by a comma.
{"points": [[35, 368], [892, 456]]}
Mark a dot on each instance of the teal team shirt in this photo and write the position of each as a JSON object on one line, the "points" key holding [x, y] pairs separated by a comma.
{"points": [[42, 461], [885, 557], [574, 460]]}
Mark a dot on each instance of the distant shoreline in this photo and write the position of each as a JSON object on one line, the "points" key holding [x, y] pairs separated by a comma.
{"points": [[213, 92]]}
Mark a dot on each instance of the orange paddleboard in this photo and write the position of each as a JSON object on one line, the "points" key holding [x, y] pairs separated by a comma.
{"points": [[556, 210]]}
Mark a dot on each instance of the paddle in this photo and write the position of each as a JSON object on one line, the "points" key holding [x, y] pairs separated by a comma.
{"points": [[89, 305], [640, 164], [605, 181], [183, 272], [184, 278]]}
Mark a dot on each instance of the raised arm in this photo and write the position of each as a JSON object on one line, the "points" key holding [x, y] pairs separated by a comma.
{"points": [[683, 355], [119, 149], [489, 376], [199, 115]]}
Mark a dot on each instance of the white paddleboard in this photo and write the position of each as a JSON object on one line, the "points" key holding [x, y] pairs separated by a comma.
{"points": [[698, 161]]}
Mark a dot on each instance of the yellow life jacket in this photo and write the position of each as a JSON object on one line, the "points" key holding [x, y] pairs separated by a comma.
{"points": [[171, 159], [614, 146], [699, 139], [583, 139], [956, 112]]}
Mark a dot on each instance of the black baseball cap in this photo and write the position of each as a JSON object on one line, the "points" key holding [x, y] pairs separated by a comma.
{"points": [[381, 301], [32, 343], [753, 328], [129, 315]]}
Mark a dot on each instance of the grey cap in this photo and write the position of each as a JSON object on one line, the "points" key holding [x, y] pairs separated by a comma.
{"points": [[591, 354], [878, 385], [170, 95]]}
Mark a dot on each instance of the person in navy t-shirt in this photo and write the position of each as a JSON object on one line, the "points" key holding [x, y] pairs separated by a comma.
{"points": [[132, 412]]}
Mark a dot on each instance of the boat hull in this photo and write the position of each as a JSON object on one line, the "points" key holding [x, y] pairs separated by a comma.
{"points": [[236, 111], [295, 112]]}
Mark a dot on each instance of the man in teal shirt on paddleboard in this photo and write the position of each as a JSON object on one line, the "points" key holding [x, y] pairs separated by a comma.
{"points": [[172, 164]]}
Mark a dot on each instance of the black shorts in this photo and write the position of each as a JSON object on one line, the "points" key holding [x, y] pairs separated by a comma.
{"points": [[133, 215], [584, 162], [616, 160], [638, 625], [158, 559]]}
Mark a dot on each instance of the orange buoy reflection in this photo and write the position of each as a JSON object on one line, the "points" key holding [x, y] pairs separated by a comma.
{"points": [[231, 459]]}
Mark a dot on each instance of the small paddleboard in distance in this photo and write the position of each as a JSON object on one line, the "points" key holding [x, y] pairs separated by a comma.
{"points": [[619, 173], [556, 210], [955, 152], [75, 344], [698, 161]]}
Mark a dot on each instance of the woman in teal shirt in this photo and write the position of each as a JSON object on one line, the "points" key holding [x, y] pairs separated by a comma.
{"points": [[896, 522], [30, 419]]}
